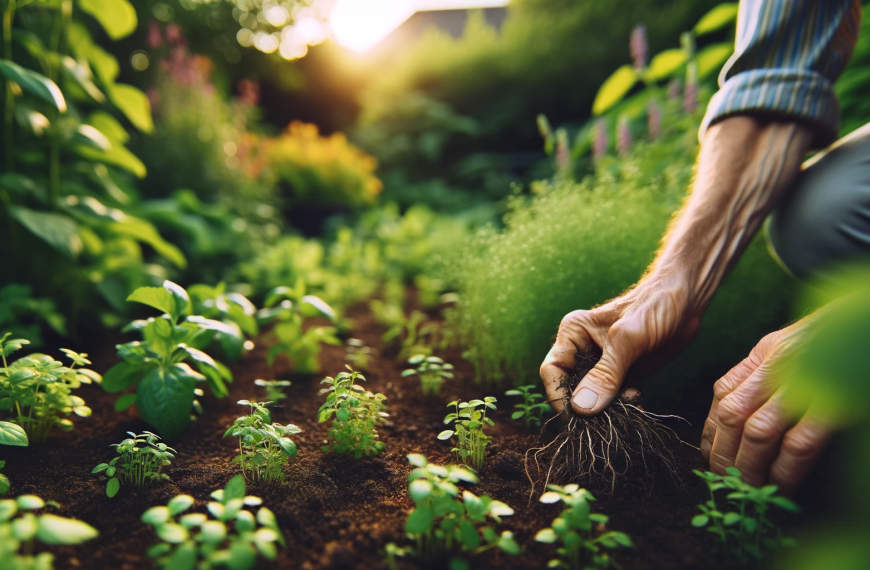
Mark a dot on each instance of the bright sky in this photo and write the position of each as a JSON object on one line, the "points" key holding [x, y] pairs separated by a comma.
{"points": [[361, 24]]}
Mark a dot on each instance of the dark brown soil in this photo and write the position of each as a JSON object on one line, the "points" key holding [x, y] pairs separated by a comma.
{"points": [[337, 511]]}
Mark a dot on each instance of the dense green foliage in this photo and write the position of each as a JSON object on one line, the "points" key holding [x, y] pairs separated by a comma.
{"points": [[264, 447], [357, 414], [141, 459]]}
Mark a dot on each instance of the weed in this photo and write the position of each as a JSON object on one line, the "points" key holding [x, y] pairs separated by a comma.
{"points": [[444, 526], [263, 446], [746, 531], [583, 546], [142, 458], [230, 538], [432, 371], [357, 413], [529, 411], [470, 419], [12, 435], [19, 535], [358, 354]]}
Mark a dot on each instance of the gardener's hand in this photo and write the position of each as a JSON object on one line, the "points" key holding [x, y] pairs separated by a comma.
{"points": [[648, 324], [749, 429]]}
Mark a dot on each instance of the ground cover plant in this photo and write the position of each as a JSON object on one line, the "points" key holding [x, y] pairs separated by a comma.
{"points": [[264, 447], [357, 414], [745, 528], [583, 545], [469, 420], [445, 527], [432, 372], [156, 365], [529, 411], [231, 538], [20, 534], [141, 460]]}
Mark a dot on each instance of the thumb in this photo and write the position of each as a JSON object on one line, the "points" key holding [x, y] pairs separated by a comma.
{"points": [[602, 384]]}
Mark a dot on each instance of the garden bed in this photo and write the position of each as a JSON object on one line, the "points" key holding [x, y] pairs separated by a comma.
{"points": [[337, 511]]}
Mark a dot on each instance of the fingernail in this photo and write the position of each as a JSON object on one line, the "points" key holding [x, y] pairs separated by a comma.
{"points": [[706, 446], [585, 399]]}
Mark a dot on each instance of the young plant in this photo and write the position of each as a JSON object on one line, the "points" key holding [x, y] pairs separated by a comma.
{"points": [[12, 435], [445, 527], [470, 419], [19, 535], [232, 309], [357, 413], [529, 411], [263, 446], [141, 459], [157, 365], [274, 389], [432, 371], [37, 389], [288, 309], [230, 539], [745, 531], [419, 336], [583, 547], [358, 354]]}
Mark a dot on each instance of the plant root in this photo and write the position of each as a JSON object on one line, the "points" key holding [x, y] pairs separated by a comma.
{"points": [[622, 443]]}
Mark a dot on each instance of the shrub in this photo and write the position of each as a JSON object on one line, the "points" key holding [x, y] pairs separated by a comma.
{"points": [[357, 413], [18, 535], [263, 446], [583, 547], [230, 539], [142, 459], [37, 389], [469, 420], [528, 410], [432, 371]]}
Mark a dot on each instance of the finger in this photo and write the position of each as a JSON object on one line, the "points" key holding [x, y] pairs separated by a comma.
{"points": [[800, 448], [560, 361], [723, 387], [761, 439], [601, 384], [732, 413]]}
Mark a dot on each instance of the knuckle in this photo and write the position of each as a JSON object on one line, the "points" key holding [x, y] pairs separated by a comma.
{"points": [[723, 387], [573, 321], [760, 429], [732, 412], [802, 444]]}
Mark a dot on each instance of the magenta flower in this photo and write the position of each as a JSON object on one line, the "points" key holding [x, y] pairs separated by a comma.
{"points": [[690, 95], [638, 46], [154, 39], [654, 120], [600, 144], [674, 90], [623, 137]]}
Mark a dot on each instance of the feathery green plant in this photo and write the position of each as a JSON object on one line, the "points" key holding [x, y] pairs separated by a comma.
{"points": [[469, 421], [263, 446], [357, 413], [142, 458]]}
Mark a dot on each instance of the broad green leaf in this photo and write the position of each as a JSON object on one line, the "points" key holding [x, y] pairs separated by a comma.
{"points": [[419, 490], [144, 231], [33, 83], [5, 485], [57, 230], [116, 155], [112, 487], [125, 402], [242, 556], [82, 77], [547, 536], [165, 400], [121, 376], [712, 58], [614, 89], [419, 521], [212, 532], [171, 532], [156, 297], [717, 18], [184, 557], [182, 299], [468, 535], [134, 104], [155, 516], [507, 543], [109, 126], [58, 530], [179, 503], [29, 502], [24, 528], [235, 489], [700, 520], [105, 66], [12, 435], [118, 17], [665, 63], [90, 137]]}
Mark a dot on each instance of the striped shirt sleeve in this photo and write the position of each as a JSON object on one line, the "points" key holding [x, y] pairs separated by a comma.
{"points": [[787, 56]]}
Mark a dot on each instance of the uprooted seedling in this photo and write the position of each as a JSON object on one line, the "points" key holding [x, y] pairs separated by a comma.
{"points": [[603, 449]]}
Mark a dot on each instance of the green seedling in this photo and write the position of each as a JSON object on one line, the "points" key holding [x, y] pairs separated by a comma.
{"points": [[358, 354], [529, 411], [357, 413], [470, 419], [288, 309], [444, 526], [14, 436], [432, 371], [37, 389], [263, 446], [583, 547], [274, 389], [230, 538], [19, 534], [158, 364], [418, 334], [141, 459], [746, 531]]}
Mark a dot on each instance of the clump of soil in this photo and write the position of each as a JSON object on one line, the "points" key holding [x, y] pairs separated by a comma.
{"points": [[624, 441]]}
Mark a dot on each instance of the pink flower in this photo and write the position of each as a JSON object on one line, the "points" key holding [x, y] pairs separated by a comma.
{"points": [[154, 39], [600, 144], [638, 46], [623, 137], [654, 120], [249, 92], [674, 90], [173, 33], [563, 155], [690, 96]]}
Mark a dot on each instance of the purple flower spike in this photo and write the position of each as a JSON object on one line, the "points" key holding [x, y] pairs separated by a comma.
{"points": [[623, 137], [599, 146], [639, 47]]}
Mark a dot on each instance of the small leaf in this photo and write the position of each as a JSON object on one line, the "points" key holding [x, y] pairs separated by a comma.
{"points": [[446, 434], [29, 502], [614, 89], [155, 516], [125, 402], [58, 530], [717, 18], [547, 536], [118, 17], [12, 435], [700, 520], [171, 532], [112, 487], [34, 83], [179, 503]]}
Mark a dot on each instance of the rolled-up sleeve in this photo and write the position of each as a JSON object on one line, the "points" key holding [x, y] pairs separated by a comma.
{"points": [[787, 56]]}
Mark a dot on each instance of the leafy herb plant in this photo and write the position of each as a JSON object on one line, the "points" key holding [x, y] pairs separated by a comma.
{"points": [[19, 534], [746, 531], [445, 526], [12, 435], [274, 389], [582, 546], [263, 446], [358, 354], [432, 371], [230, 538], [470, 419], [157, 365], [357, 413], [141, 459], [530, 411], [37, 390]]}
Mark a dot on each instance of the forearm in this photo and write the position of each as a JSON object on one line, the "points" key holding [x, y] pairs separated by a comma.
{"points": [[744, 168]]}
